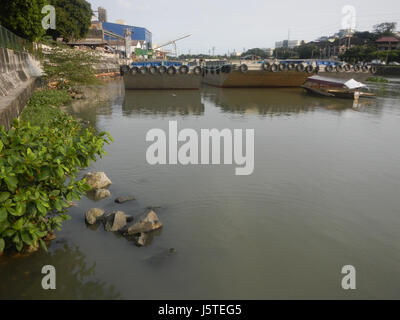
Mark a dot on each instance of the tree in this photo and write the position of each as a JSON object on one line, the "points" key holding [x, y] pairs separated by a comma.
{"points": [[256, 52], [282, 53], [307, 51], [365, 37], [385, 28], [73, 19], [23, 17]]}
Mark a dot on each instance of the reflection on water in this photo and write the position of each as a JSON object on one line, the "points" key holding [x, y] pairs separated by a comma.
{"points": [[21, 277], [167, 102], [324, 194], [275, 102]]}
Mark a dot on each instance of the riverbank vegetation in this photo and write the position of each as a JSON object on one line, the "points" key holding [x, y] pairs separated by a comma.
{"points": [[43, 152], [65, 68], [40, 157]]}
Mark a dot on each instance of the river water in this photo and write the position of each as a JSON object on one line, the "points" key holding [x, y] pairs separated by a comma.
{"points": [[325, 193]]}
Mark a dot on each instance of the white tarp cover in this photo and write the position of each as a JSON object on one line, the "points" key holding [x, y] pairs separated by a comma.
{"points": [[353, 84]]}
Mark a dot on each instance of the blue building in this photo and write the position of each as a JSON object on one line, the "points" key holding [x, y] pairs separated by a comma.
{"points": [[138, 33]]}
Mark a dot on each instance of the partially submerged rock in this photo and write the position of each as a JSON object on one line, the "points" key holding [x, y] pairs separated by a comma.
{"points": [[101, 194], [50, 236], [144, 223], [93, 215], [161, 256], [145, 238], [98, 194], [124, 199], [115, 221], [97, 180]]}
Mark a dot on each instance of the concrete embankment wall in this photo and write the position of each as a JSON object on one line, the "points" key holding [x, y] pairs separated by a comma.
{"points": [[388, 71], [18, 79], [108, 64]]}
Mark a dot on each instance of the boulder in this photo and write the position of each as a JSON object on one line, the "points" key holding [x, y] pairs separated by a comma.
{"points": [[144, 223], [101, 194], [93, 215], [124, 199], [97, 180], [115, 221], [31, 248], [50, 236]]}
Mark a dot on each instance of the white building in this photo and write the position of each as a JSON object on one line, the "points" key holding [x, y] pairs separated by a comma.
{"points": [[288, 44]]}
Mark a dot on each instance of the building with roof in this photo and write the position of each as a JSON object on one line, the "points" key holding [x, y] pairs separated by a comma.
{"points": [[387, 43], [139, 34]]}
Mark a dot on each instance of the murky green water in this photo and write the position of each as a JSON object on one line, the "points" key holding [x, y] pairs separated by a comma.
{"points": [[325, 193]]}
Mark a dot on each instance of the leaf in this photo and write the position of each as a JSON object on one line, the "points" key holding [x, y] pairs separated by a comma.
{"points": [[60, 172], [19, 246], [26, 238], [18, 225], [3, 214], [9, 233], [1, 148], [43, 245], [2, 245], [4, 226], [44, 174], [12, 183], [41, 208], [31, 156], [4, 196], [20, 209], [58, 205]]}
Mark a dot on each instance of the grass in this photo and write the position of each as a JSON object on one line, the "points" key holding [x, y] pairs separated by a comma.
{"points": [[43, 106]]}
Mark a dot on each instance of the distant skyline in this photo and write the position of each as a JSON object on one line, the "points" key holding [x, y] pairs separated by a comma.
{"points": [[235, 25]]}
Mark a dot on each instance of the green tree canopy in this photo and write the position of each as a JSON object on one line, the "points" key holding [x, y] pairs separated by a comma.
{"points": [[256, 52], [385, 28], [23, 17], [307, 51], [73, 19]]}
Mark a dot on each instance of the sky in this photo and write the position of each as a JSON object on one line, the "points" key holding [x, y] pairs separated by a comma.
{"points": [[228, 25]]}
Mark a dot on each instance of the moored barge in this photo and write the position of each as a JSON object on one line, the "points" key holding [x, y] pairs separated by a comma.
{"points": [[161, 76]]}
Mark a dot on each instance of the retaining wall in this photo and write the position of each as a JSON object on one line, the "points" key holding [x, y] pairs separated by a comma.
{"points": [[18, 79]]}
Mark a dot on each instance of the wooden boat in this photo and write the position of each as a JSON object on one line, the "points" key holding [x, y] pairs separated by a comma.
{"points": [[340, 88]]}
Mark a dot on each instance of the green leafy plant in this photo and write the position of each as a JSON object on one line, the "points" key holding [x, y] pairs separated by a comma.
{"points": [[38, 173]]}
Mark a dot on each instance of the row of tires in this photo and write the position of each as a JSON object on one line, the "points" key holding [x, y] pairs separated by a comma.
{"points": [[275, 67], [160, 70]]}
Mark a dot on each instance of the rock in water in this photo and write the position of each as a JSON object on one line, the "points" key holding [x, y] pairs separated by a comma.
{"points": [[97, 180], [101, 194], [124, 199], [116, 221], [93, 214], [144, 223]]}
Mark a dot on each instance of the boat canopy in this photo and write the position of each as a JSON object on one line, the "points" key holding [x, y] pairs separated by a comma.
{"points": [[350, 84]]}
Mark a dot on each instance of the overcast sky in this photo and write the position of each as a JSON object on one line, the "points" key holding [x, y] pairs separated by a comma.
{"points": [[231, 25]]}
